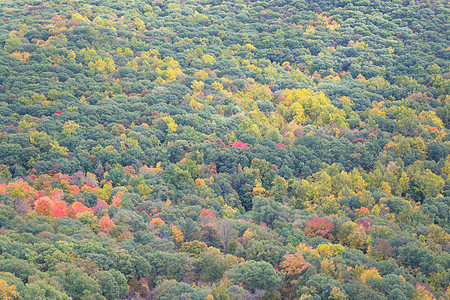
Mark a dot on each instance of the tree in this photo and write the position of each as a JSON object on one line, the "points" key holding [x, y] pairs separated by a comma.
{"points": [[113, 284], [212, 265], [43, 206], [370, 275], [293, 265], [352, 235], [255, 275], [177, 235], [324, 285], [105, 223], [171, 289], [279, 188], [7, 292], [226, 231], [318, 226], [41, 290]]}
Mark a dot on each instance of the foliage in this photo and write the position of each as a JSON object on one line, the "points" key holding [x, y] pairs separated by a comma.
{"points": [[225, 149]]}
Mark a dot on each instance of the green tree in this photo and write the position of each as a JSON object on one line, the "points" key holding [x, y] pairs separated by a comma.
{"points": [[255, 275]]}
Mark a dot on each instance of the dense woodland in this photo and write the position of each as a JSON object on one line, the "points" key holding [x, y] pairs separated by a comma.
{"points": [[224, 149]]}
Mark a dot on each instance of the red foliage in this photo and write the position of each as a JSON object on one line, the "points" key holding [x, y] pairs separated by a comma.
{"points": [[426, 287], [207, 213], [280, 145], [210, 236], [239, 145], [76, 208], [38, 195], [43, 206], [57, 213], [244, 221], [58, 111], [60, 205], [364, 223], [383, 250], [319, 227]]}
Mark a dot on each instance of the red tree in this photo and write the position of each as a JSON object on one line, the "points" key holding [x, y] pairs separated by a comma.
{"points": [[43, 206], [319, 226]]}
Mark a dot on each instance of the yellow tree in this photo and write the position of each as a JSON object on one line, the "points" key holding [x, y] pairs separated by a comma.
{"points": [[177, 235], [371, 274], [171, 125], [70, 128], [7, 292], [208, 59]]}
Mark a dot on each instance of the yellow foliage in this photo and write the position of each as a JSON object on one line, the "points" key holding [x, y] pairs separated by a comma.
{"points": [[371, 273], [386, 188], [327, 267], [316, 106], [7, 292], [71, 55], [303, 248], [144, 189], [195, 104], [330, 250], [139, 24], [77, 16], [23, 56], [217, 86], [201, 74], [208, 59], [248, 233], [258, 190], [171, 125], [177, 235], [336, 294], [197, 86], [199, 182], [70, 128]]}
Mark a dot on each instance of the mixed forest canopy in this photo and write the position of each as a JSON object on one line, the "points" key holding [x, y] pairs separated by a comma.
{"points": [[224, 149]]}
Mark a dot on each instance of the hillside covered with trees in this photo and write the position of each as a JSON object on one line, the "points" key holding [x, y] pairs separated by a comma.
{"points": [[224, 150]]}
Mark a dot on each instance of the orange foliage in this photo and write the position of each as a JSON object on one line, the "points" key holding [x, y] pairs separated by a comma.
{"points": [[74, 189], [105, 223], [25, 56], [76, 208], [60, 205], [293, 264], [157, 222], [43, 206], [117, 199], [207, 213], [126, 235], [363, 211], [57, 213]]}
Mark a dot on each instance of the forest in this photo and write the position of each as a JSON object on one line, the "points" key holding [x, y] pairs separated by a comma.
{"points": [[224, 150]]}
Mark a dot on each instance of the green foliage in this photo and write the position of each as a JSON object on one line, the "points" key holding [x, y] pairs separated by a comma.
{"points": [[255, 275]]}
